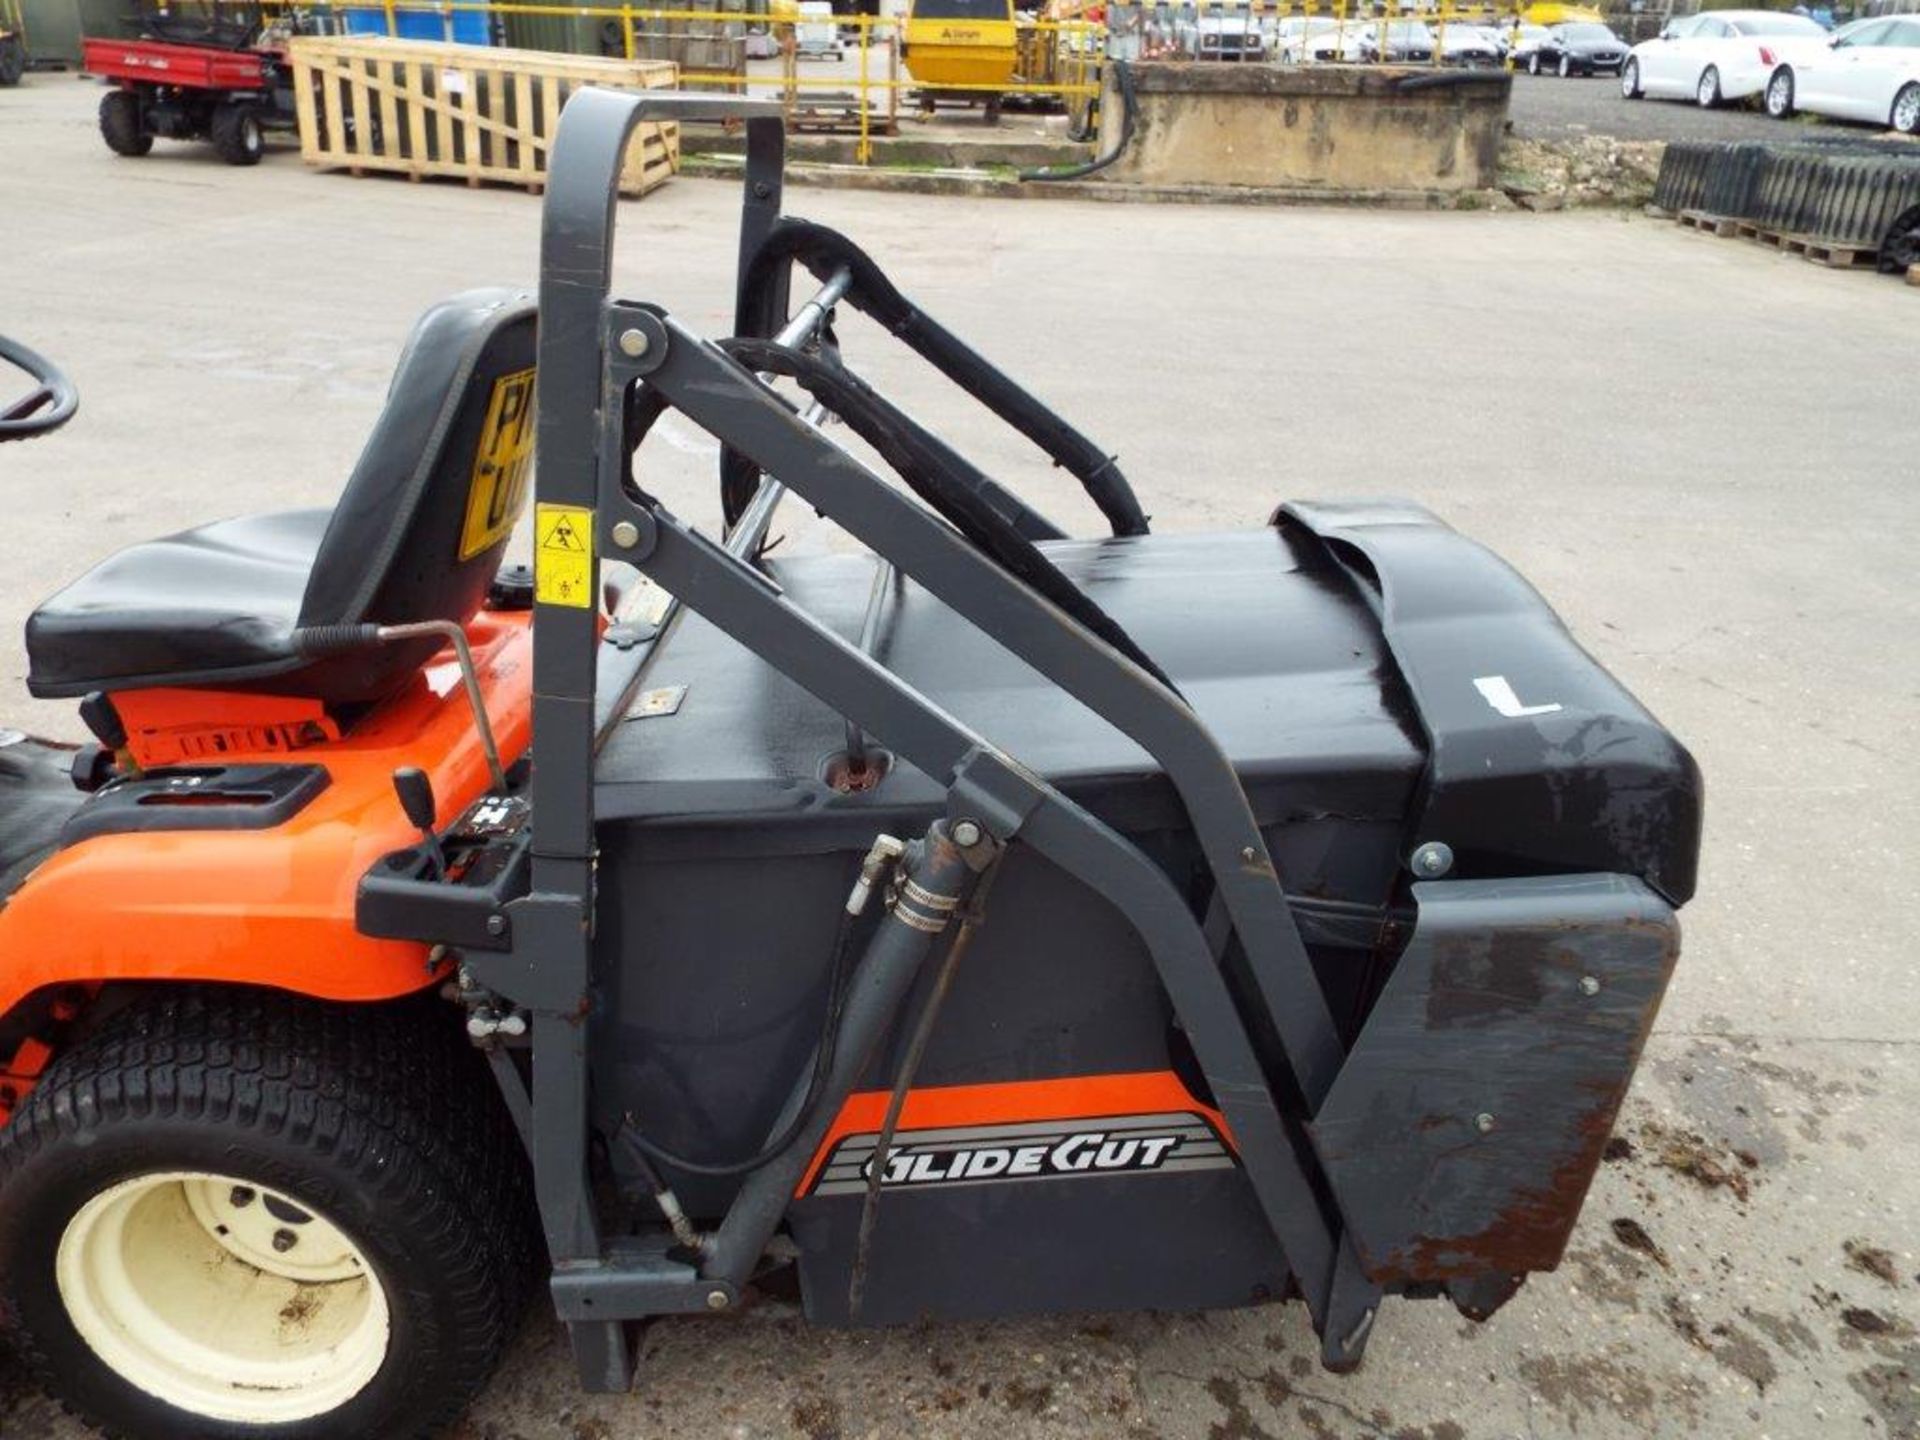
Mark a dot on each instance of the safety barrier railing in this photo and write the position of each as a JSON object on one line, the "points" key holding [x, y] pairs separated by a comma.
{"points": [[1049, 61]]}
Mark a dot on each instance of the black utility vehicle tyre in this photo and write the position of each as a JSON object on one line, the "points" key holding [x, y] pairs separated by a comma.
{"points": [[236, 134], [120, 123], [13, 60], [295, 1123]]}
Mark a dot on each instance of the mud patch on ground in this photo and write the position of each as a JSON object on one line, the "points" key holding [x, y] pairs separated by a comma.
{"points": [[1791, 1335], [1239, 1423], [1027, 1399], [1632, 1234], [817, 1417], [1711, 1166], [1606, 1273], [1892, 1388], [1745, 1356], [1865, 1321], [1614, 1383], [1871, 1260]]}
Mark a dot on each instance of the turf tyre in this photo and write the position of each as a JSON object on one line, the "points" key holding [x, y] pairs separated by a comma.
{"points": [[381, 1118]]}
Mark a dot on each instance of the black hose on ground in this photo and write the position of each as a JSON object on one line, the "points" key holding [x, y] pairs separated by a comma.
{"points": [[1444, 79], [1123, 78]]}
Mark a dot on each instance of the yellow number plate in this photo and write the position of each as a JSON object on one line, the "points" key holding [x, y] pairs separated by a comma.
{"points": [[563, 555], [502, 466]]}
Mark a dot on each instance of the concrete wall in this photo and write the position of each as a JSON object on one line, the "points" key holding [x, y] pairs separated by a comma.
{"points": [[1348, 128]]}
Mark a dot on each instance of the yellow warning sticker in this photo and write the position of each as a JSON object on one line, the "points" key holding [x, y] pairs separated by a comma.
{"points": [[502, 466], [563, 555]]}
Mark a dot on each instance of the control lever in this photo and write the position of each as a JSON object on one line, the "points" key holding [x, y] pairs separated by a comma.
{"points": [[415, 790], [98, 714]]}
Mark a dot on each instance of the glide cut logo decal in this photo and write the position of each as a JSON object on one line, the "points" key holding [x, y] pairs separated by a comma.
{"points": [[1036, 1150]]}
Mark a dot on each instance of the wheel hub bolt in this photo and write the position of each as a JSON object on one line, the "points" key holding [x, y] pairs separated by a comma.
{"points": [[284, 1240], [240, 1197]]}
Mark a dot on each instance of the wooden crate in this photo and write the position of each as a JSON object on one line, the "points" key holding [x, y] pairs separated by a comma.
{"points": [[471, 112]]}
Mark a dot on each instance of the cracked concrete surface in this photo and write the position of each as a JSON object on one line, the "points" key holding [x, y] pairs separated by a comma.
{"points": [[1704, 455]]}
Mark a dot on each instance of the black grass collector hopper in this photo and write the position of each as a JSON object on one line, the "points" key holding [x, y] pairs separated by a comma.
{"points": [[993, 921]]}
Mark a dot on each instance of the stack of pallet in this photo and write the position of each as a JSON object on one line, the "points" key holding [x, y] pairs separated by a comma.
{"points": [[423, 109], [1840, 200]]}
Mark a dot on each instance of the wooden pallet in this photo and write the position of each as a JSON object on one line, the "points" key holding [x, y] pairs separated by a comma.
{"points": [[1821, 252], [1836, 257], [1705, 220], [425, 109]]}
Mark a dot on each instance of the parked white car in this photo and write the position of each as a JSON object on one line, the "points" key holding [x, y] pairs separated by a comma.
{"points": [[1465, 44], [1299, 39], [1221, 34], [1870, 72], [1718, 56]]}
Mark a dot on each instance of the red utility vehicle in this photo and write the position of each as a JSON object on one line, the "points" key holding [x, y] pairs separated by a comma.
{"points": [[190, 79]]}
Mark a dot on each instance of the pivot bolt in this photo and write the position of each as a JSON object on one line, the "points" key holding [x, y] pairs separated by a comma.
{"points": [[633, 343], [1249, 854], [1483, 1122], [1589, 985], [1432, 860], [496, 924], [284, 1240], [716, 1299], [967, 833], [626, 534]]}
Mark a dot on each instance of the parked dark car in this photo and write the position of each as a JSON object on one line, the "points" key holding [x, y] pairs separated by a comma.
{"points": [[1579, 47], [1407, 41]]}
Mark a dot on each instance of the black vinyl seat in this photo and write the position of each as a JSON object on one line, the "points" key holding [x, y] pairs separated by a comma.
{"points": [[417, 535]]}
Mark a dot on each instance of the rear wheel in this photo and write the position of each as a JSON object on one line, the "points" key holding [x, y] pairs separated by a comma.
{"points": [[1566, 67], [236, 134], [1707, 92], [1630, 80], [1533, 63], [231, 1214], [120, 124], [1905, 116], [1780, 94]]}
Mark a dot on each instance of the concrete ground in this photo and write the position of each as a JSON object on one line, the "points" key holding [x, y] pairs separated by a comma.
{"points": [[1699, 451], [1545, 107]]}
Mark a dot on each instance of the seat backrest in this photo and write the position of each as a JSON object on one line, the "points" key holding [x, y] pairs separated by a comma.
{"points": [[445, 475]]}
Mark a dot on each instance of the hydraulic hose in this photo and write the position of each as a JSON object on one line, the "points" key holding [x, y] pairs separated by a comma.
{"points": [[945, 480], [1123, 79], [824, 252]]}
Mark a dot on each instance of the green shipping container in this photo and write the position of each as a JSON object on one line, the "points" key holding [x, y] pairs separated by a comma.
{"points": [[55, 27]]}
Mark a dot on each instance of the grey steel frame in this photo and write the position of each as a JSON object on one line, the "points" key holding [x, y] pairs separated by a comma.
{"points": [[581, 688]]}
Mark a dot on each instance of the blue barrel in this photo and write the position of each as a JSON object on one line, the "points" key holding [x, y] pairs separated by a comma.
{"points": [[464, 27]]}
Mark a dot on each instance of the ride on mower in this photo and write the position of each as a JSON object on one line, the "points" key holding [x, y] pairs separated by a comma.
{"points": [[224, 79], [988, 923]]}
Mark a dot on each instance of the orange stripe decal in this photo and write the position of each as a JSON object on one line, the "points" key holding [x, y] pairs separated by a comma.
{"points": [[1014, 1102]]}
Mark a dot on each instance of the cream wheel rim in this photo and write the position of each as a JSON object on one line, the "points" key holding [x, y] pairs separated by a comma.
{"points": [[223, 1299]]}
